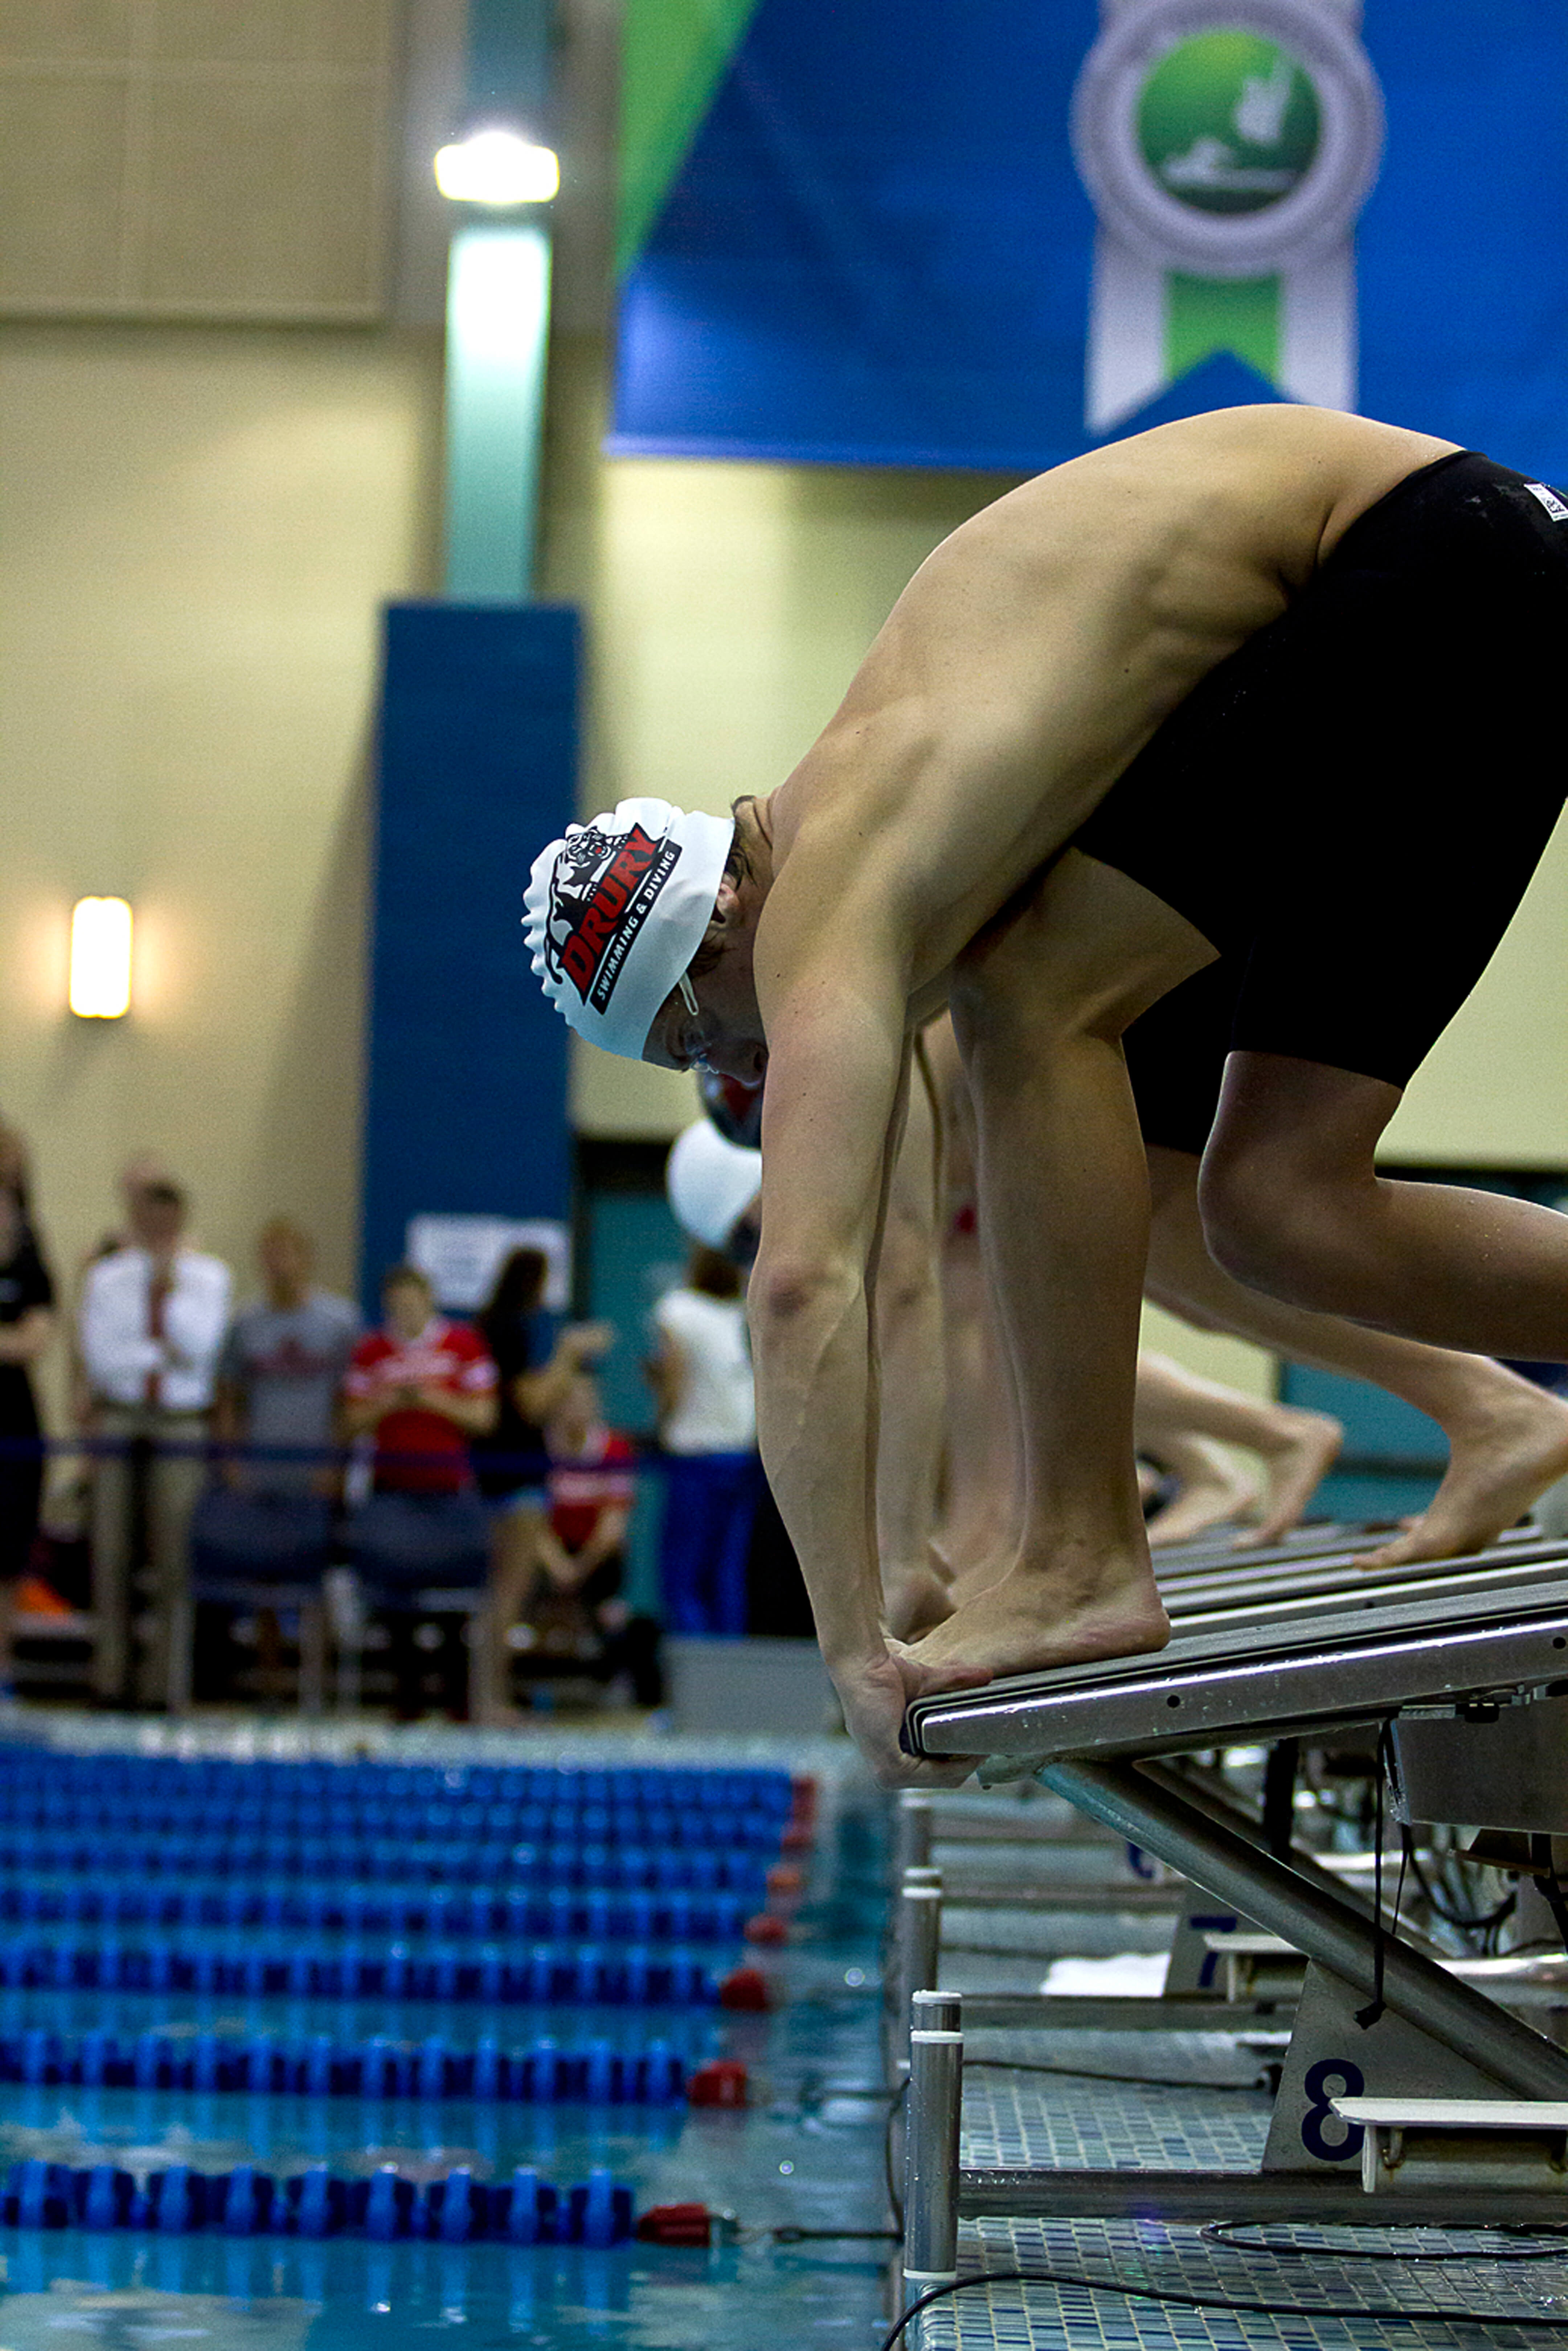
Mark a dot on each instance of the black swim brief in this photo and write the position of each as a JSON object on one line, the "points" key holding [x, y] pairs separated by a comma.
{"points": [[1351, 807], [1175, 1056]]}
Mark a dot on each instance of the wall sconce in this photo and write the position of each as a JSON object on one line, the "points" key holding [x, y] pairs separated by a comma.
{"points": [[100, 958]]}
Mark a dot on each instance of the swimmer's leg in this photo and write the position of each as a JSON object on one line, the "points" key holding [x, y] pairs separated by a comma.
{"points": [[976, 1530], [1507, 1439], [910, 1386], [1038, 1007], [1293, 1205], [1212, 1488], [1297, 1448]]}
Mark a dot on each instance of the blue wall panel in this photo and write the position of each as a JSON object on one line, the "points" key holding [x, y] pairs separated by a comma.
{"points": [[466, 1084]]}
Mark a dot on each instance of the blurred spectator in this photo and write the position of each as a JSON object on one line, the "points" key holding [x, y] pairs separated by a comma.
{"points": [[142, 1168], [713, 1180], [701, 1375], [15, 1167], [424, 1386], [575, 1620], [536, 1365], [282, 1366], [151, 1325], [26, 1325], [715, 1190]]}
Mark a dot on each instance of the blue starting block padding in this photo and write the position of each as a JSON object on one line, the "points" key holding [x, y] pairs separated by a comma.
{"points": [[547, 1974], [547, 2072], [456, 2209]]}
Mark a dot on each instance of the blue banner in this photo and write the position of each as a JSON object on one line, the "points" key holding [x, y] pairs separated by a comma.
{"points": [[993, 236]]}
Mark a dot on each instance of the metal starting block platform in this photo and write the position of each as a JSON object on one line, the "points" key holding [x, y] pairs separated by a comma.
{"points": [[1212, 1992], [1313, 1579], [1494, 1629], [1468, 1663], [1220, 1544]]}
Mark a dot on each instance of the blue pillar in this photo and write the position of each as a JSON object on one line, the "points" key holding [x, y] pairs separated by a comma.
{"points": [[476, 768], [465, 1095]]}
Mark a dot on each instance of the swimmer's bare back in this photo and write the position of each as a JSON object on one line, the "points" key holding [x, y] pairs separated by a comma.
{"points": [[1040, 646]]}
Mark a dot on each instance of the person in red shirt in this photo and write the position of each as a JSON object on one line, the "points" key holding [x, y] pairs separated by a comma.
{"points": [[576, 1621], [424, 1386]]}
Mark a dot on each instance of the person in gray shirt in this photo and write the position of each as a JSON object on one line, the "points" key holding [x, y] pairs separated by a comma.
{"points": [[282, 1365]]}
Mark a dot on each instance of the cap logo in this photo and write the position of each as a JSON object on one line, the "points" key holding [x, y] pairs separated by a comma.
{"points": [[602, 892]]}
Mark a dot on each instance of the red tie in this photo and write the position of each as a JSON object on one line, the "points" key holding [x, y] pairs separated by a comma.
{"points": [[158, 1290]]}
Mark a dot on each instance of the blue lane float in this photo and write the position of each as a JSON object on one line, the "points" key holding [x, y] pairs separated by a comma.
{"points": [[547, 1975], [454, 2209], [544, 2072], [391, 1863], [54, 1784], [451, 1915]]}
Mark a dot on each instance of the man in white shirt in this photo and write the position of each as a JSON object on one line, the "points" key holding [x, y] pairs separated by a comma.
{"points": [[151, 1324], [701, 1374]]}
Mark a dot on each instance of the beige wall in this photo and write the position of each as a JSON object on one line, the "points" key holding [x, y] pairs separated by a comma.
{"points": [[198, 526]]}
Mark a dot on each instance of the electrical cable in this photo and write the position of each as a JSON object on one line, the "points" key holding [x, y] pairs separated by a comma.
{"points": [[1467, 1922], [1382, 1934], [789, 2235], [1223, 2232], [894, 2200], [1551, 1884], [1437, 2314], [1091, 2074]]}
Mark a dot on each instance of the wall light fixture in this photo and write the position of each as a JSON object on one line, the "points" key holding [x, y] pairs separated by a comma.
{"points": [[100, 958]]}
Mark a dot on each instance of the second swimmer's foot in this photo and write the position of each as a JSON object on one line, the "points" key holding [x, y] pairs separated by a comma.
{"points": [[1203, 1503], [1308, 1448], [1028, 1622], [1496, 1470]]}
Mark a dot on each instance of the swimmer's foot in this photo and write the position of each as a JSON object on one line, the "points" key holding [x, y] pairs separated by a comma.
{"points": [[1215, 1491], [1029, 1620], [1309, 1445], [1517, 1447]]}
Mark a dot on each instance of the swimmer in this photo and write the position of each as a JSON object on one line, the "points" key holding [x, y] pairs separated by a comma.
{"points": [[1195, 695]]}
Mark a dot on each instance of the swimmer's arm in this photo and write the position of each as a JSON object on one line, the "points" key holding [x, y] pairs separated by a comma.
{"points": [[907, 1339], [836, 1056]]}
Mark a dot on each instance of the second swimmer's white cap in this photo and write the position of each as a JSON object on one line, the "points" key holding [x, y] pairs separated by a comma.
{"points": [[711, 1183], [616, 911]]}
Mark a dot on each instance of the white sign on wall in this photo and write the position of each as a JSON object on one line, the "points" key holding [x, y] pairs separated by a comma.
{"points": [[461, 1256]]}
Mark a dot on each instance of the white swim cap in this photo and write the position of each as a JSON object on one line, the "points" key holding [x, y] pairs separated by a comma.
{"points": [[711, 1183], [616, 911]]}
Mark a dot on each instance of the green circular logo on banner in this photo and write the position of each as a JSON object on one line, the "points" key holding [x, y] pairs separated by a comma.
{"points": [[1229, 123], [1226, 138]]}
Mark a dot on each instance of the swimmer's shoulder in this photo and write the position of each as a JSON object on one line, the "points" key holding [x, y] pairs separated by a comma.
{"points": [[841, 850]]}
